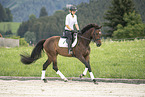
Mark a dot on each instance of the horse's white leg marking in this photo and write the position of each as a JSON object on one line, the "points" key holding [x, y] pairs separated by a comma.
{"points": [[85, 71], [92, 76], [43, 75], [61, 75]]}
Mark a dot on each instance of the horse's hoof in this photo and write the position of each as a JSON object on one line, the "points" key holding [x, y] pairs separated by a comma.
{"points": [[45, 81], [65, 80], [81, 75], [95, 82]]}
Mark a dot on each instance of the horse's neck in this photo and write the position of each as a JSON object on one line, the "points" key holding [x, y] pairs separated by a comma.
{"points": [[85, 38]]}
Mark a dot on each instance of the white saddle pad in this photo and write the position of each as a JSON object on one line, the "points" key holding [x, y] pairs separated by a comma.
{"points": [[62, 42]]}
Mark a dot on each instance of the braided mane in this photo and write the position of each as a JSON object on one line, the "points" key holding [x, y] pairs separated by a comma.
{"points": [[89, 27]]}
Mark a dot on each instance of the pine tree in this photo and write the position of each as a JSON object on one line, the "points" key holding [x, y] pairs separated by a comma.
{"points": [[9, 17], [2, 14], [43, 12], [114, 15], [135, 27]]}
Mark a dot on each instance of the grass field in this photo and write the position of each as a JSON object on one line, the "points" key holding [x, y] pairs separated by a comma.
{"points": [[124, 59], [13, 26]]}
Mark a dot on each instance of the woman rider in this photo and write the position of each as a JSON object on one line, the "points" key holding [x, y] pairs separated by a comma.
{"points": [[70, 20]]}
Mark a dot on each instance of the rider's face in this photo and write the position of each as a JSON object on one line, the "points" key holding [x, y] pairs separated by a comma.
{"points": [[73, 12]]}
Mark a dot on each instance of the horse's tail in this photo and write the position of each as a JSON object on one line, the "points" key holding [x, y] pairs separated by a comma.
{"points": [[36, 54]]}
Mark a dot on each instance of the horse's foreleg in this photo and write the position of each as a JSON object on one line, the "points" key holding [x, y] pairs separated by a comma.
{"points": [[84, 73], [58, 72], [87, 58], [45, 65], [88, 68]]}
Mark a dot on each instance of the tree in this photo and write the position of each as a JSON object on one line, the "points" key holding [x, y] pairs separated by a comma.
{"points": [[30, 37], [32, 17], [23, 29], [114, 15], [135, 27], [2, 14], [5, 14], [9, 17], [43, 12]]}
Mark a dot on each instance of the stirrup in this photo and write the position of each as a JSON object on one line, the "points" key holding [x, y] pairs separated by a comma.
{"points": [[70, 52]]}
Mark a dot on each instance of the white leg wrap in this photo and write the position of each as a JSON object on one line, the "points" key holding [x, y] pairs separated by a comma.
{"points": [[92, 76], [85, 71], [43, 74], [60, 74]]}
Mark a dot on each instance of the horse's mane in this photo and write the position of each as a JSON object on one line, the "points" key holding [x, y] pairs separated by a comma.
{"points": [[89, 26]]}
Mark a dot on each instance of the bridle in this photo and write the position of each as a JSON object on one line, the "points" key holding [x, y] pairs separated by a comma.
{"points": [[93, 34]]}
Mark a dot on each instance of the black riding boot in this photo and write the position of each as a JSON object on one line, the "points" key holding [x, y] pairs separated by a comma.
{"points": [[70, 47]]}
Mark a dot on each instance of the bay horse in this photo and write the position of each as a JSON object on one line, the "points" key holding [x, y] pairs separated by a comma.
{"points": [[81, 51]]}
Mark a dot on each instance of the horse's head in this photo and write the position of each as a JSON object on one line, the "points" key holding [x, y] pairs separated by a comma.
{"points": [[96, 36], [95, 33]]}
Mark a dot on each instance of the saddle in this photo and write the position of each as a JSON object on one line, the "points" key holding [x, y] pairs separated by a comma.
{"points": [[63, 41]]}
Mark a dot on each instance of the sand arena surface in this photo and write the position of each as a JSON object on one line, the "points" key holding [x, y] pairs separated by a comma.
{"points": [[36, 88]]}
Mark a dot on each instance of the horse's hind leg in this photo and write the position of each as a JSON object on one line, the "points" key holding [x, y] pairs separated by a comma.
{"points": [[58, 72], [45, 65]]}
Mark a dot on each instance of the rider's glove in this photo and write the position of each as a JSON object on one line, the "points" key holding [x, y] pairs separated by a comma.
{"points": [[73, 31], [79, 31]]}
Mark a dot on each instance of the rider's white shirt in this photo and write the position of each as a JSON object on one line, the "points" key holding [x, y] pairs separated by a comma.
{"points": [[70, 21]]}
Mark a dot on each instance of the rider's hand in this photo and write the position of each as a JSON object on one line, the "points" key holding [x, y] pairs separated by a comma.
{"points": [[79, 31], [73, 31]]}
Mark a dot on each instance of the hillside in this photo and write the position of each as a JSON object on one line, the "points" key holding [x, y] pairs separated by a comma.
{"points": [[6, 26], [21, 9]]}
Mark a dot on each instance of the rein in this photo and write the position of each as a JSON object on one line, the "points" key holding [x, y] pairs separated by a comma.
{"points": [[84, 37]]}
